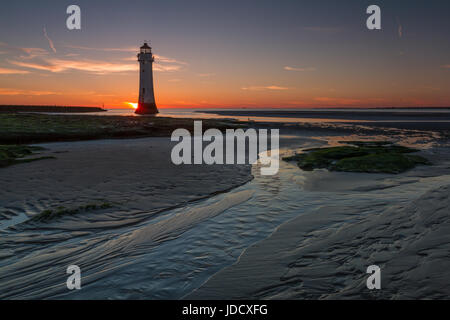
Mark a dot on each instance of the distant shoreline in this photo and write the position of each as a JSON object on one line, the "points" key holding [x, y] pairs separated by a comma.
{"points": [[436, 120], [398, 118], [58, 109], [345, 114]]}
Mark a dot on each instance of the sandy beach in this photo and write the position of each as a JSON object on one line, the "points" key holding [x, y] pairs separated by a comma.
{"points": [[324, 253], [321, 255], [130, 173], [225, 232]]}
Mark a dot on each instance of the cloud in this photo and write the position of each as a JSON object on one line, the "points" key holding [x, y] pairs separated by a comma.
{"points": [[23, 53], [132, 58], [93, 66], [39, 59], [276, 88], [12, 71], [166, 68], [262, 88], [37, 66], [20, 92], [164, 59], [32, 53], [72, 54], [166, 64], [127, 49], [299, 69], [158, 57], [163, 64], [50, 42]]}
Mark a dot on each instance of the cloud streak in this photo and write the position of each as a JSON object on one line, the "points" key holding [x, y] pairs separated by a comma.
{"points": [[265, 88], [299, 69], [159, 58], [60, 65], [23, 53], [40, 59], [91, 66], [32, 53], [50, 42], [12, 71], [20, 92], [127, 49]]}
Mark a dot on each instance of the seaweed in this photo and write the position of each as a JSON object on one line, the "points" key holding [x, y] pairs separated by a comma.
{"points": [[361, 156], [14, 154]]}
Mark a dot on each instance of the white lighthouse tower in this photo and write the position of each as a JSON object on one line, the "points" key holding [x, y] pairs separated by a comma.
{"points": [[146, 104]]}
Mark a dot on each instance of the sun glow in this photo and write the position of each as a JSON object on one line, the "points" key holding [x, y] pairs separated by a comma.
{"points": [[133, 105]]}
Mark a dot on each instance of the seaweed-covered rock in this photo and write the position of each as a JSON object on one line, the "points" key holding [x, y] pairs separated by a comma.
{"points": [[370, 157]]}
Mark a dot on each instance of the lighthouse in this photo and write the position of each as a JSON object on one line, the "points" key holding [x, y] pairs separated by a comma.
{"points": [[146, 104]]}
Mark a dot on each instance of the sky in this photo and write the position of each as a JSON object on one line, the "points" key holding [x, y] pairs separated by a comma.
{"points": [[215, 53]]}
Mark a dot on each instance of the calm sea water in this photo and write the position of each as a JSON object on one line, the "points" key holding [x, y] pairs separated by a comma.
{"points": [[290, 115]]}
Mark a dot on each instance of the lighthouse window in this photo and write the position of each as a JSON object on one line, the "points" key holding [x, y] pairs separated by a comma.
{"points": [[143, 90], [143, 70]]}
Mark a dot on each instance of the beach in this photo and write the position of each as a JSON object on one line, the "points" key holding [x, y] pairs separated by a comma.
{"points": [[141, 227], [134, 173], [321, 255]]}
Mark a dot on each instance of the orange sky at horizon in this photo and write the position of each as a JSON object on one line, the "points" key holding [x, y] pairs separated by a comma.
{"points": [[226, 87], [117, 90]]}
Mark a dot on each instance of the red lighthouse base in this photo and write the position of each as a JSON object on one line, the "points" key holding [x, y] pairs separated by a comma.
{"points": [[146, 108]]}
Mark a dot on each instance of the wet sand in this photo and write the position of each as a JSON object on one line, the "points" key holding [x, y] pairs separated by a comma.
{"points": [[135, 174], [324, 253], [144, 189], [309, 258], [296, 235]]}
